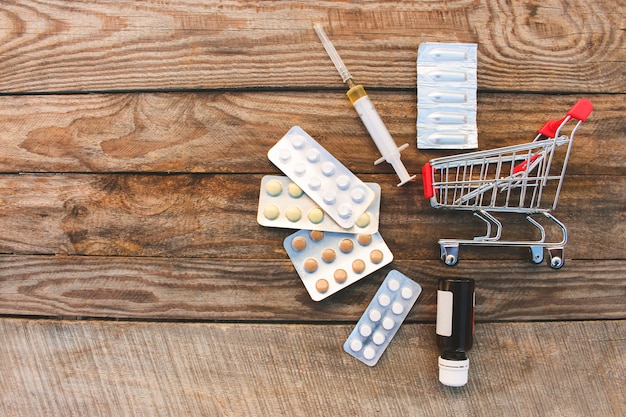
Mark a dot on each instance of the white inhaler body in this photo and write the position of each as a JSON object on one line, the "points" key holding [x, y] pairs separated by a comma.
{"points": [[379, 133], [455, 329]]}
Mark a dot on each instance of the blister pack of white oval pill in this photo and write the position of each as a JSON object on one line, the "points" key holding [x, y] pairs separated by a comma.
{"points": [[382, 318], [339, 192], [282, 203], [328, 262], [446, 96]]}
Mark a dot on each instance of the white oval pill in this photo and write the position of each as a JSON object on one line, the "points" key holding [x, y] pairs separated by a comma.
{"points": [[393, 284], [358, 195], [407, 293], [388, 323], [315, 183], [365, 330], [299, 170], [297, 142], [397, 308], [356, 345], [344, 211], [378, 338], [329, 198], [313, 155], [375, 315], [343, 182], [384, 300], [284, 156], [328, 169], [369, 353]]}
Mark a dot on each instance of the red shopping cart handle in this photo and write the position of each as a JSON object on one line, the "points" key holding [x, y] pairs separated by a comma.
{"points": [[427, 180], [581, 110]]}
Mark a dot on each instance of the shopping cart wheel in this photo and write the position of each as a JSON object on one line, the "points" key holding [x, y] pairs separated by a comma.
{"points": [[556, 260], [449, 254], [536, 254]]}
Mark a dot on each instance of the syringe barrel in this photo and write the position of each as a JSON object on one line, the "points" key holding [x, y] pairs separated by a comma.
{"points": [[378, 131], [372, 121]]}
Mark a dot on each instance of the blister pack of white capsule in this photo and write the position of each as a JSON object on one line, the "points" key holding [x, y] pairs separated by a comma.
{"points": [[328, 262], [382, 318], [282, 203], [340, 193], [446, 96]]}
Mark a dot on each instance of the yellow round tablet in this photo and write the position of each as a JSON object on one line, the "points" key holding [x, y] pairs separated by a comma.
{"points": [[321, 285], [316, 215], [363, 220], [293, 213], [271, 212], [294, 191], [273, 188]]}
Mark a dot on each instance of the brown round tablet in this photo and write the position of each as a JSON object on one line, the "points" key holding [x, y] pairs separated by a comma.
{"points": [[376, 256], [364, 239], [328, 255], [316, 235], [358, 266], [346, 245], [310, 265], [340, 276], [321, 285], [298, 243]]}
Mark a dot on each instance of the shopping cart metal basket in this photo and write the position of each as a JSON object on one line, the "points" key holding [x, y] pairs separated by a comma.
{"points": [[524, 178]]}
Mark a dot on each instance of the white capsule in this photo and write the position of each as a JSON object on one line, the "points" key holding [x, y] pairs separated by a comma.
{"points": [[447, 54], [442, 96]]}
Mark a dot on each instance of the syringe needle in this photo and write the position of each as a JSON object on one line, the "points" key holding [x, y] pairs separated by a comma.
{"points": [[332, 53], [368, 114]]}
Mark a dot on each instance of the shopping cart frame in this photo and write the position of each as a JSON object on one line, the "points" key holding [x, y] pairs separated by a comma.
{"points": [[514, 179]]}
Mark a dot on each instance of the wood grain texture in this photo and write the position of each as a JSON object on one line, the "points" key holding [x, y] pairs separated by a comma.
{"points": [[232, 131], [271, 291], [215, 216], [102, 46], [104, 368]]}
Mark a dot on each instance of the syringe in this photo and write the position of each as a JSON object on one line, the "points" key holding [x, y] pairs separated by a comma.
{"points": [[368, 114]]}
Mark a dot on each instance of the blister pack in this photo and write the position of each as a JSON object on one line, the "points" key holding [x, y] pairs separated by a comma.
{"points": [[382, 318], [446, 96], [282, 203], [322, 177], [328, 262]]}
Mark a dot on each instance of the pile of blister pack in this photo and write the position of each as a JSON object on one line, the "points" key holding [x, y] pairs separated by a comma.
{"points": [[338, 242]]}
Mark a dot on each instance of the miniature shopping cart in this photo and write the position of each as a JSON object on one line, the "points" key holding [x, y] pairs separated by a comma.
{"points": [[523, 178]]}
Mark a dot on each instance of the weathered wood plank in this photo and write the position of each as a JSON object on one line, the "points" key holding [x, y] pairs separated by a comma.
{"points": [[232, 132], [104, 368], [209, 215], [262, 290], [102, 46]]}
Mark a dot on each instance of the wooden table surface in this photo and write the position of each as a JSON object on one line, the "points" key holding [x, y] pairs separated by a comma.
{"points": [[135, 279]]}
